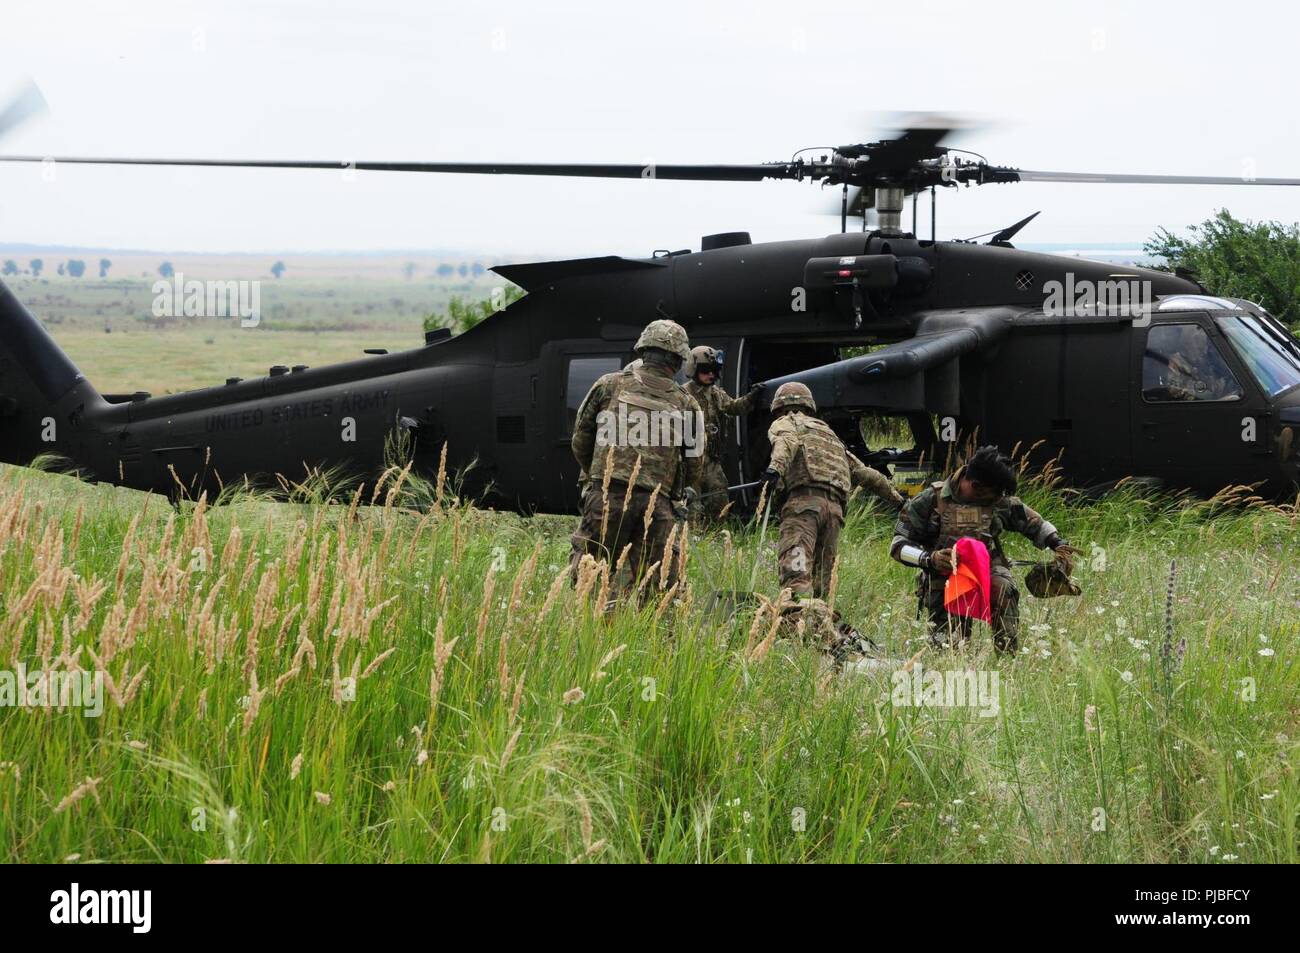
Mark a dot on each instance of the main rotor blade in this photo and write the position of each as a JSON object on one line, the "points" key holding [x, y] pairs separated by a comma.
{"points": [[909, 147], [1109, 178], [698, 173], [27, 103]]}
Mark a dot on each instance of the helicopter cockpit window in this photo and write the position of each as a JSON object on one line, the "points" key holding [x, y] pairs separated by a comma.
{"points": [[583, 372], [1271, 358], [1181, 363]]}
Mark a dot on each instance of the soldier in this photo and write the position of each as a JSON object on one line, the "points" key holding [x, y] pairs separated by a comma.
{"points": [[817, 472], [584, 478], [640, 437], [1197, 373], [577, 545], [702, 372], [976, 501]]}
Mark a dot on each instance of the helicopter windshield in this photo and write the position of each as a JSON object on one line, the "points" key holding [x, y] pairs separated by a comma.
{"points": [[1272, 359]]}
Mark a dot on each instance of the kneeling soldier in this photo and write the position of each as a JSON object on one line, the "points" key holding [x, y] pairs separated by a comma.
{"points": [[976, 501], [817, 472]]}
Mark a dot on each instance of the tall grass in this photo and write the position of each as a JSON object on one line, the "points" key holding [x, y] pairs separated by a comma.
{"points": [[415, 680]]}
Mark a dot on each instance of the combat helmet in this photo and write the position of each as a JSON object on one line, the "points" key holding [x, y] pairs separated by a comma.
{"points": [[793, 394], [703, 357], [665, 335], [1047, 580]]}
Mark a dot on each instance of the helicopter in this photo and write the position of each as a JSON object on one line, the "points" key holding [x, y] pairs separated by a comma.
{"points": [[1108, 372]]}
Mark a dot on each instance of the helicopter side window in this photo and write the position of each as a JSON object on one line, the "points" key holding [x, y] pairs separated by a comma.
{"points": [[1181, 363], [583, 372]]}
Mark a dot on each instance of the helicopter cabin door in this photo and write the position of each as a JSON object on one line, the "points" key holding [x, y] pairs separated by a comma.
{"points": [[1198, 420], [577, 365]]}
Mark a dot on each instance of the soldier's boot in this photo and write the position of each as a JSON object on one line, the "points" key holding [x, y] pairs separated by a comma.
{"points": [[800, 593], [1006, 623], [809, 621], [942, 638], [949, 631]]}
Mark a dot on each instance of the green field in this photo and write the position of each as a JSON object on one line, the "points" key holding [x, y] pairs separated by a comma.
{"points": [[319, 313], [163, 362], [558, 732], [498, 715]]}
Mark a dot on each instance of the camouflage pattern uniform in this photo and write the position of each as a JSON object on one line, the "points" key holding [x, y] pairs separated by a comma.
{"points": [[663, 471], [817, 472], [717, 405], [935, 519], [1191, 379]]}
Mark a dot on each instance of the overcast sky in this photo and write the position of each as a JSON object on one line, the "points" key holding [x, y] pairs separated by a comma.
{"points": [[1175, 87]]}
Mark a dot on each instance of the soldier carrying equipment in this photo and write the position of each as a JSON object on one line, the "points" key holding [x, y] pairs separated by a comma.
{"points": [[703, 371], [817, 472], [639, 436], [976, 501]]}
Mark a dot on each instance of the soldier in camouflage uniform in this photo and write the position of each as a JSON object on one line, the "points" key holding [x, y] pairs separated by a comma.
{"points": [[584, 478], [1199, 374], [637, 423], [817, 472], [976, 501], [702, 372]]}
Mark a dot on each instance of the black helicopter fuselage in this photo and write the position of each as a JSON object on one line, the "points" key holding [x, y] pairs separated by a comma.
{"points": [[970, 349]]}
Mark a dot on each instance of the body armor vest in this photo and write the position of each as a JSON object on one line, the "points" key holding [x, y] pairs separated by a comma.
{"points": [[647, 416], [965, 519], [713, 422], [823, 454]]}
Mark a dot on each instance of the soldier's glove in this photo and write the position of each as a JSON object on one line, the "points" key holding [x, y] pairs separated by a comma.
{"points": [[1065, 554], [755, 390], [941, 561], [682, 508], [770, 479]]}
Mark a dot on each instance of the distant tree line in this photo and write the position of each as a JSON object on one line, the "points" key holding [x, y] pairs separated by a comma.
{"points": [[465, 269], [73, 267]]}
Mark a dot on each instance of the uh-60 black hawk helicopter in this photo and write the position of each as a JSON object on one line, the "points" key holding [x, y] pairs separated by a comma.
{"points": [[1140, 373]]}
